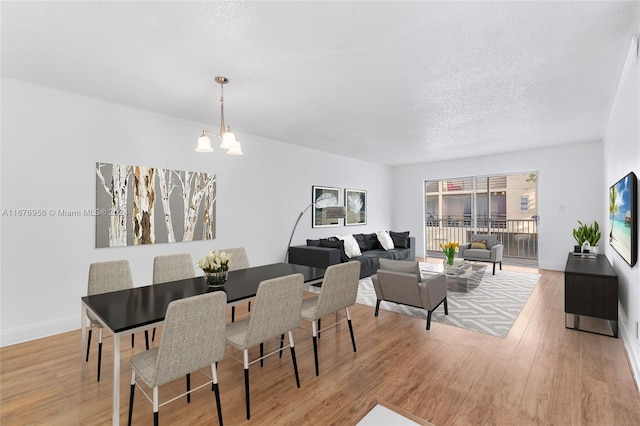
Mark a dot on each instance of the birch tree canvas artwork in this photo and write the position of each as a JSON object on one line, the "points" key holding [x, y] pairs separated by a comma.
{"points": [[148, 205]]}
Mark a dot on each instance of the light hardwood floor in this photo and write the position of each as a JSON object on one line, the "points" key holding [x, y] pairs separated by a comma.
{"points": [[541, 373]]}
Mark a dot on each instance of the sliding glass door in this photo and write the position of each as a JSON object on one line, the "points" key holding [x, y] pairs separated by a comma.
{"points": [[505, 205]]}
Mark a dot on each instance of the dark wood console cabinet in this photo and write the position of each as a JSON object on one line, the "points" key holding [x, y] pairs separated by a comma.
{"points": [[591, 289]]}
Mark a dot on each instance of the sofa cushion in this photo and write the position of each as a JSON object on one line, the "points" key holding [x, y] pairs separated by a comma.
{"points": [[372, 241], [368, 263], [477, 254], [351, 247], [407, 266], [325, 242], [385, 240], [313, 243], [362, 242], [400, 239]]}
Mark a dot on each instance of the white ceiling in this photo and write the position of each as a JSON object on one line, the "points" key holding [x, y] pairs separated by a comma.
{"points": [[387, 82]]}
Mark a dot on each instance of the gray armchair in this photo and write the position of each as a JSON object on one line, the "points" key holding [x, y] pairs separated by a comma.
{"points": [[399, 281], [483, 248]]}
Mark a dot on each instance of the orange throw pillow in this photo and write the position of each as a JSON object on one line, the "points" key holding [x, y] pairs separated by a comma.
{"points": [[475, 244]]}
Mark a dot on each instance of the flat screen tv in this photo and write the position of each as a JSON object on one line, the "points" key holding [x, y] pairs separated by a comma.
{"points": [[623, 217]]}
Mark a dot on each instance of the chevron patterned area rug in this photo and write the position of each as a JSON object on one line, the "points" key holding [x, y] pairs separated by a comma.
{"points": [[491, 305]]}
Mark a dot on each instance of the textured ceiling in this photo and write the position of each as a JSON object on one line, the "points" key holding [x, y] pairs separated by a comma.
{"points": [[387, 82]]}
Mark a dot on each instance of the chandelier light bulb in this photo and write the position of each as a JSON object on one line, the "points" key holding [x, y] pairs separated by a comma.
{"points": [[204, 144], [236, 149], [228, 139]]}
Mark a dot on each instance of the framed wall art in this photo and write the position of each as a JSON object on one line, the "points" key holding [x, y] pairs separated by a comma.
{"points": [[322, 198], [355, 202], [623, 212], [138, 205]]}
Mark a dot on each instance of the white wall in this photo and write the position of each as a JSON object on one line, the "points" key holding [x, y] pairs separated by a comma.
{"points": [[51, 141], [622, 155], [570, 188]]}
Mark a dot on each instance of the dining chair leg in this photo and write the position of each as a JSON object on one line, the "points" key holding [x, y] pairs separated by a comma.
{"points": [[213, 388], [428, 320], [153, 335], [246, 383], [281, 344], [233, 313], [315, 345], [353, 339], [146, 339], [99, 352], [377, 307], [131, 393], [188, 388], [155, 406], [249, 308], [216, 389], [261, 354], [446, 308], [88, 344], [293, 358], [133, 341], [319, 326]]}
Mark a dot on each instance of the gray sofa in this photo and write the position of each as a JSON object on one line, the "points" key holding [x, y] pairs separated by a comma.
{"points": [[330, 251], [492, 252]]}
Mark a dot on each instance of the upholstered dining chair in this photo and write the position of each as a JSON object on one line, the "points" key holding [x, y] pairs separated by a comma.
{"points": [[239, 260], [277, 308], [339, 290], [172, 267], [105, 277], [184, 348]]}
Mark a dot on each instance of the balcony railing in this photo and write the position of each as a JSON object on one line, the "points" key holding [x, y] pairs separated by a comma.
{"points": [[519, 236]]}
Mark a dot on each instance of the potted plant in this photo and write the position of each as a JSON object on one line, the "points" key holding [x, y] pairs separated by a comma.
{"points": [[587, 233], [449, 251]]}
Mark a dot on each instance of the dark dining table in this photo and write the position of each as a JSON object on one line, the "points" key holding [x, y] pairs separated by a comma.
{"points": [[125, 312]]}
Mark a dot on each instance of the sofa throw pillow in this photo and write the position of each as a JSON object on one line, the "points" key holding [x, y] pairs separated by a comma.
{"points": [[372, 241], [479, 244], [400, 239], [362, 242], [325, 242], [351, 247], [313, 243], [385, 240]]}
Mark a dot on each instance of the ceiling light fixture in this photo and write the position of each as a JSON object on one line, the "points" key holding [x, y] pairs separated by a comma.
{"points": [[228, 138]]}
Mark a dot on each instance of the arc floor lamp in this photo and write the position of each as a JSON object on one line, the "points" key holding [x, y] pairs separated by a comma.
{"points": [[333, 212]]}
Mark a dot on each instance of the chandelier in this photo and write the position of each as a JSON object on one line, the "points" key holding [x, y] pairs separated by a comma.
{"points": [[228, 138]]}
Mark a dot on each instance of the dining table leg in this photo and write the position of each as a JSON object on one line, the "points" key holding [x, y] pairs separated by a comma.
{"points": [[83, 338], [116, 379]]}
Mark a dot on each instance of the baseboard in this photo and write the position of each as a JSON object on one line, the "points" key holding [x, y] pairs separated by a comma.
{"points": [[633, 354], [552, 266], [39, 330]]}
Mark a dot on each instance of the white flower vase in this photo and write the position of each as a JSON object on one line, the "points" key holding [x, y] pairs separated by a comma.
{"points": [[216, 279], [456, 263]]}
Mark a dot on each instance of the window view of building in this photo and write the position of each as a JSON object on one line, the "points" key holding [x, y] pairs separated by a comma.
{"points": [[503, 204]]}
